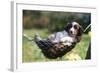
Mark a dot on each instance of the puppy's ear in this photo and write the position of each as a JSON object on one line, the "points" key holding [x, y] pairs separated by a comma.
{"points": [[80, 31], [79, 35], [67, 27]]}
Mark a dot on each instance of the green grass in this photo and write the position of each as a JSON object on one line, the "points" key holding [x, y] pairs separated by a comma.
{"points": [[31, 52]]}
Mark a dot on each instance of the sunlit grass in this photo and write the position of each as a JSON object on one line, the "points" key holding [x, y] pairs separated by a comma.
{"points": [[31, 52]]}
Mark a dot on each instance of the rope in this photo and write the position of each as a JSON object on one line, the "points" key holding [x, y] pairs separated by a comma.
{"points": [[87, 28], [29, 38]]}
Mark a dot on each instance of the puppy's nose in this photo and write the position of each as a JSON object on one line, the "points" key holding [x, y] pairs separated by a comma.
{"points": [[71, 32]]}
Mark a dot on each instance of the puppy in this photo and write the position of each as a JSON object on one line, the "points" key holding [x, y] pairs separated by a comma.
{"points": [[71, 33]]}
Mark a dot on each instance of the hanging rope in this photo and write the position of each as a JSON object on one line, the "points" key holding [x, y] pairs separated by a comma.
{"points": [[87, 27], [27, 37]]}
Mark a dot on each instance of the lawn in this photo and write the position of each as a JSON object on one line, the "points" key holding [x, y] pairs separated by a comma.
{"points": [[31, 52]]}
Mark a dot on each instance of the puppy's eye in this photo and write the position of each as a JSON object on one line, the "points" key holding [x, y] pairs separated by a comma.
{"points": [[75, 27]]}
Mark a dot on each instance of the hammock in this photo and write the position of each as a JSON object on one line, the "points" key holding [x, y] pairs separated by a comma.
{"points": [[52, 50], [49, 49]]}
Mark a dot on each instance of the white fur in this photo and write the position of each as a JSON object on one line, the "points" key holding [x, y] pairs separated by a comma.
{"points": [[67, 40], [61, 37]]}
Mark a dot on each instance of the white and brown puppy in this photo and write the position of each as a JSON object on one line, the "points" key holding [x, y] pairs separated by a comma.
{"points": [[74, 30], [71, 33]]}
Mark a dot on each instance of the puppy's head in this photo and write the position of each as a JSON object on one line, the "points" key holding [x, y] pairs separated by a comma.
{"points": [[74, 30]]}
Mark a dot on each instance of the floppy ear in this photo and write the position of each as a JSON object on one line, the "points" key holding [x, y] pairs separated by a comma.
{"points": [[80, 31], [79, 35], [67, 27]]}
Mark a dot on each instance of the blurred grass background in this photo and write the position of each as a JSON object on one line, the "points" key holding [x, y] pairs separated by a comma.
{"points": [[49, 22]]}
